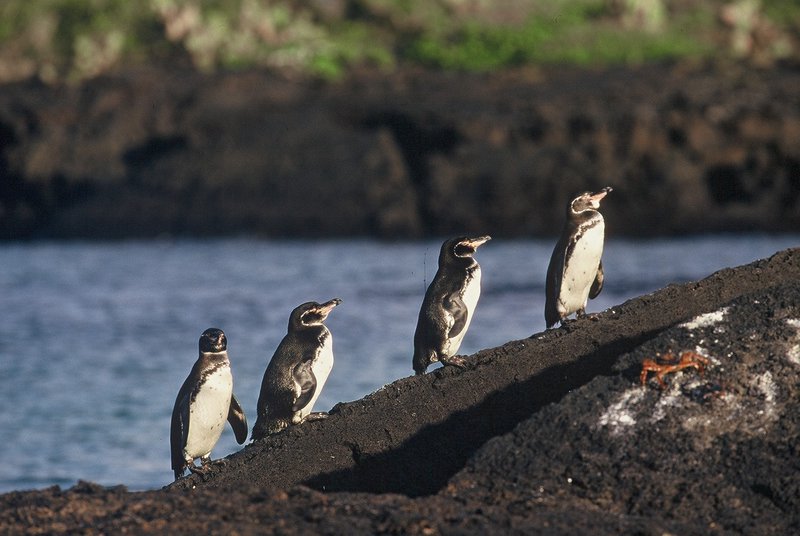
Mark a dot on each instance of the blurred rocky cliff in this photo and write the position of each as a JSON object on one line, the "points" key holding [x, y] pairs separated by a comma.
{"points": [[151, 152]]}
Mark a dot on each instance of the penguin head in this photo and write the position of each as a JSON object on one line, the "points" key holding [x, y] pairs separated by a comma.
{"points": [[587, 202], [461, 247], [213, 340], [311, 313]]}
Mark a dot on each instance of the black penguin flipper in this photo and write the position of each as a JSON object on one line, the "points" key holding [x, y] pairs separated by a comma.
{"points": [[555, 274], [597, 285], [179, 428], [307, 382], [423, 345], [552, 286], [454, 305], [238, 420]]}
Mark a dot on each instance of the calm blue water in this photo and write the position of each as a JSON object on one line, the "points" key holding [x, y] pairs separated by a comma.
{"points": [[96, 339]]}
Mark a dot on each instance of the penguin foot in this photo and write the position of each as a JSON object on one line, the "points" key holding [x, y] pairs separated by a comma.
{"points": [[567, 323], [316, 416], [583, 314], [203, 469], [454, 360], [205, 465]]}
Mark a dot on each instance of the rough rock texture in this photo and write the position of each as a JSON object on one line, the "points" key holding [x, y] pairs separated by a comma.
{"points": [[719, 453], [147, 153], [550, 434]]}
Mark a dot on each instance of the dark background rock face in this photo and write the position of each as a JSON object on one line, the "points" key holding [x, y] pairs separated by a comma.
{"points": [[148, 153], [549, 434]]}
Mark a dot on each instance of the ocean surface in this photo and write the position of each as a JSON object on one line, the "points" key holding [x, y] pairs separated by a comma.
{"points": [[96, 338]]}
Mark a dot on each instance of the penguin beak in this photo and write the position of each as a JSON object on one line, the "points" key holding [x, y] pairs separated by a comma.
{"points": [[328, 306], [467, 247], [317, 313], [474, 243], [595, 199], [479, 241]]}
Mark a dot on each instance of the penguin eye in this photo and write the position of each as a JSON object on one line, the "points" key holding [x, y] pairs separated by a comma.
{"points": [[580, 204], [311, 317], [462, 250]]}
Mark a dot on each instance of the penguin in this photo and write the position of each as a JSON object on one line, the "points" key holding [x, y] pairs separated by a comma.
{"points": [[204, 402], [575, 272], [297, 371], [449, 304]]}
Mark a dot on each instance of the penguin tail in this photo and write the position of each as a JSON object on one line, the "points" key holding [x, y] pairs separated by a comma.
{"points": [[551, 316], [422, 360], [268, 426], [258, 431]]}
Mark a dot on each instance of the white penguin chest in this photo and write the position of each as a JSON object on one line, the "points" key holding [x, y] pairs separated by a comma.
{"points": [[580, 268], [209, 412], [470, 295], [321, 366]]}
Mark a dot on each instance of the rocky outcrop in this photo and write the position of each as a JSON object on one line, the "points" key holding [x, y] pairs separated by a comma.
{"points": [[708, 454], [147, 153], [553, 433]]}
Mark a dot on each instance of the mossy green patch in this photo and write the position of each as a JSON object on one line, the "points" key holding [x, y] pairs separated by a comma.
{"points": [[77, 39]]}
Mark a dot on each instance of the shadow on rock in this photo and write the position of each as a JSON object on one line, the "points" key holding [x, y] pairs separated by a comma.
{"points": [[424, 463]]}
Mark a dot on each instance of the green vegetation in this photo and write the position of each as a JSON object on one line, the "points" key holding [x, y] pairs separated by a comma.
{"points": [[578, 33], [77, 39]]}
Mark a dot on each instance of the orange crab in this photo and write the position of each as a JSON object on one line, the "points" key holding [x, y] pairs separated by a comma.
{"points": [[670, 363]]}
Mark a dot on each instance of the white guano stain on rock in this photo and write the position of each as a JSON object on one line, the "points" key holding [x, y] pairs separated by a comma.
{"points": [[793, 352], [712, 360], [707, 319], [619, 415], [766, 385], [749, 413], [667, 399]]}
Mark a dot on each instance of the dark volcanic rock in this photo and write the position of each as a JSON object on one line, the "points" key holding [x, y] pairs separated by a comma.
{"points": [[719, 450], [412, 153], [551, 434], [386, 441]]}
